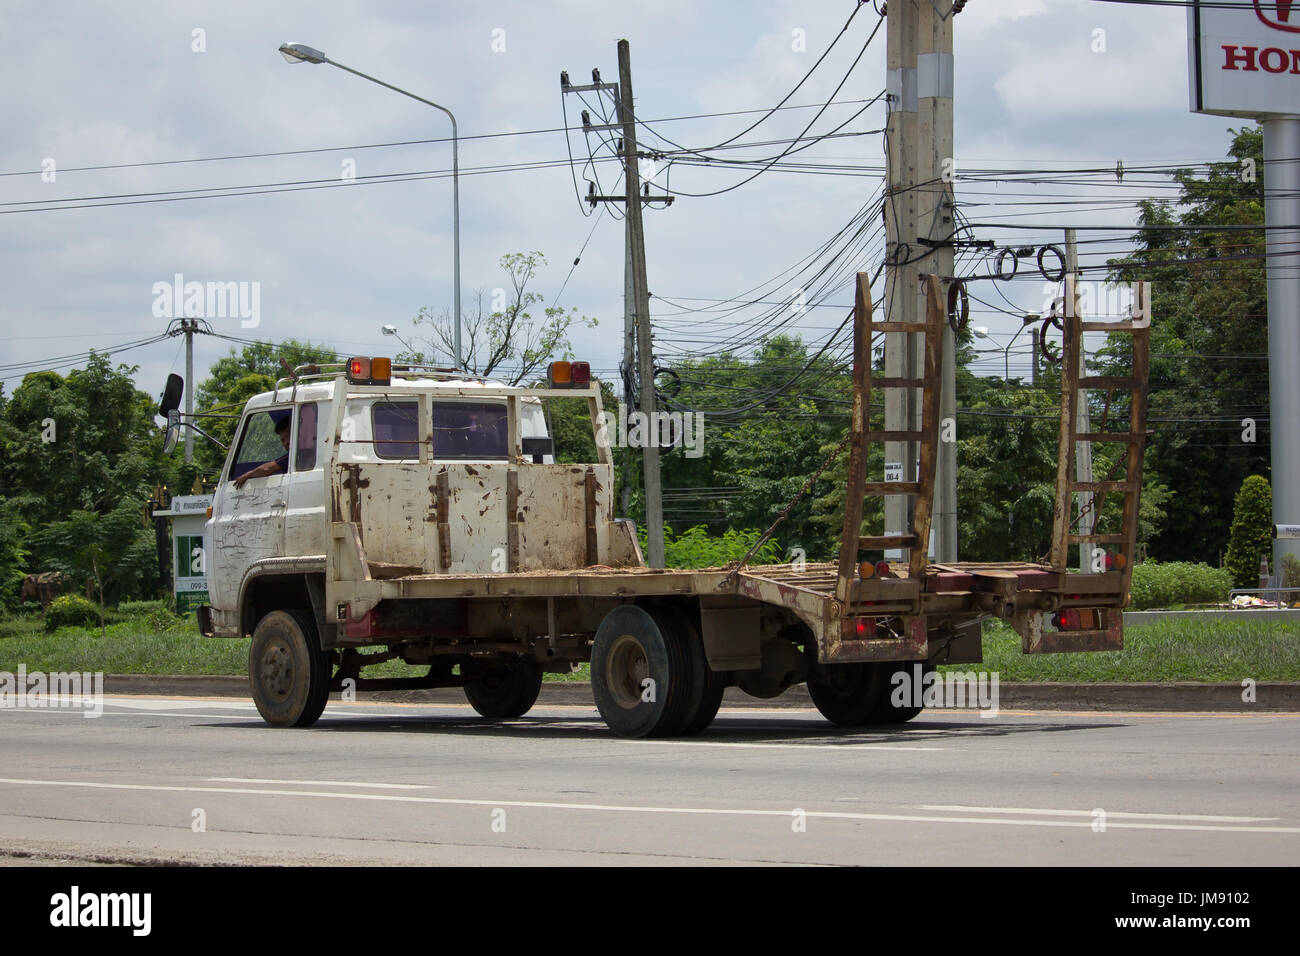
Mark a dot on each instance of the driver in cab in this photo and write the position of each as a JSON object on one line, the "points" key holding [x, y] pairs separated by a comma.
{"points": [[280, 465]]}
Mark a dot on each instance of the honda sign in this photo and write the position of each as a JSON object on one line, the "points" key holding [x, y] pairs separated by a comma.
{"points": [[1244, 57]]}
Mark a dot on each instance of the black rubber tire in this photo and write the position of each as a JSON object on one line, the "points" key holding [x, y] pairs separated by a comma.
{"points": [[505, 692], [634, 644], [846, 694], [707, 685], [288, 673], [885, 712]]}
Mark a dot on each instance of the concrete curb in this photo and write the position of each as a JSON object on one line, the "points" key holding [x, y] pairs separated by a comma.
{"points": [[1186, 696], [1240, 615]]}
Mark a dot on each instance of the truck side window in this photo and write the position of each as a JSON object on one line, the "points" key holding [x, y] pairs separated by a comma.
{"points": [[305, 454], [469, 430], [396, 429], [259, 444]]}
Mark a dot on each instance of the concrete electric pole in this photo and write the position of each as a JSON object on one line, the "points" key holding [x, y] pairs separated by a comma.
{"points": [[919, 223], [636, 289]]}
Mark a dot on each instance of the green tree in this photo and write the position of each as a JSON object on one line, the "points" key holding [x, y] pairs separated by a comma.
{"points": [[770, 422], [14, 538], [1252, 531], [231, 382], [511, 341], [84, 443]]}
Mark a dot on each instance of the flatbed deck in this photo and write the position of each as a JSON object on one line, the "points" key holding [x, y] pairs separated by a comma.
{"points": [[900, 610]]}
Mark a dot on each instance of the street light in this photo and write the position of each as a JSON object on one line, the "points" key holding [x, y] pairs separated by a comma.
{"points": [[392, 330], [301, 53], [982, 332]]}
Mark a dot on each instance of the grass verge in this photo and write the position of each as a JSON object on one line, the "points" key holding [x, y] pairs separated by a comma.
{"points": [[1165, 651]]}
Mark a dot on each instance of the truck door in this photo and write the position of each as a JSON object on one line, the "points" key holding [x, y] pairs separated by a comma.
{"points": [[304, 517], [248, 521]]}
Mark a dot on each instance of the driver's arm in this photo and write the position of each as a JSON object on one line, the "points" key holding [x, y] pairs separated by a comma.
{"points": [[261, 471]]}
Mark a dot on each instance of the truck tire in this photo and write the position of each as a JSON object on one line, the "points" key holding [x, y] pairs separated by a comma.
{"points": [[707, 685], [642, 672], [288, 673], [846, 694], [503, 693], [885, 712]]}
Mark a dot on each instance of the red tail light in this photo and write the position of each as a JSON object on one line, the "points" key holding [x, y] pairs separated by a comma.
{"points": [[581, 373], [1077, 619]]}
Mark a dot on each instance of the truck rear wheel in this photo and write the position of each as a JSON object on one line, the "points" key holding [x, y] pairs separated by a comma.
{"points": [[643, 674], [886, 712], [288, 672], [706, 685], [846, 694], [505, 692]]}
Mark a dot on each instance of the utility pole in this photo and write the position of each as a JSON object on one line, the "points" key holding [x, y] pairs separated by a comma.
{"points": [[1082, 419], [636, 289], [628, 367], [935, 217], [188, 326], [901, 282], [654, 505], [919, 219]]}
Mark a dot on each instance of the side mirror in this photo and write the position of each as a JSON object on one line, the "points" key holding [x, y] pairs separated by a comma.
{"points": [[173, 431], [171, 397]]}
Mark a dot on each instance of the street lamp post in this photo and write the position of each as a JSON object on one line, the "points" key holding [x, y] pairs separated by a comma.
{"points": [[392, 330], [301, 53], [982, 332]]}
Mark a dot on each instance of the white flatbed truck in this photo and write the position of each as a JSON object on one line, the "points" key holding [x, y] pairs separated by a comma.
{"points": [[421, 517]]}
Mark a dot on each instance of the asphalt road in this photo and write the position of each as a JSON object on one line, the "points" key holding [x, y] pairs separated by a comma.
{"points": [[204, 780]]}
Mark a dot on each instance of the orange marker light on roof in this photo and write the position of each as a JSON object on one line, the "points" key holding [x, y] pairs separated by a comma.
{"points": [[561, 374], [381, 371]]}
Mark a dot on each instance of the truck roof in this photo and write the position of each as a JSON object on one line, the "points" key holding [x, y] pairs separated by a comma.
{"points": [[319, 388]]}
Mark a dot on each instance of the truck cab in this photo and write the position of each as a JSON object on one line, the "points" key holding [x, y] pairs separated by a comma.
{"points": [[437, 472]]}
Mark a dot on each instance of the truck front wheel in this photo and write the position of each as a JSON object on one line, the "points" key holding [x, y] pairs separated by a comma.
{"points": [[505, 692], [288, 672]]}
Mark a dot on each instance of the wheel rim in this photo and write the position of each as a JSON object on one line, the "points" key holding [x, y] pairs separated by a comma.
{"points": [[277, 672], [628, 667]]}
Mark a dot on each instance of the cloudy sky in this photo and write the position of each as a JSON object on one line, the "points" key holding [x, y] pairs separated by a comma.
{"points": [[137, 86]]}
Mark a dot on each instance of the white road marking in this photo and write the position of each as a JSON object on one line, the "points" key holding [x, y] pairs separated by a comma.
{"points": [[147, 703], [321, 783], [615, 808], [1088, 813]]}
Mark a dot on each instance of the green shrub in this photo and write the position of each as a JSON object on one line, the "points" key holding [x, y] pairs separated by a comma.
{"points": [[156, 616], [1178, 582], [71, 611], [696, 548], [1251, 537], [129, 609]]}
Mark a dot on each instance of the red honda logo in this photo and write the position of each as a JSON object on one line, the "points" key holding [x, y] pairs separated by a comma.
{"points": [[1282, 19]]}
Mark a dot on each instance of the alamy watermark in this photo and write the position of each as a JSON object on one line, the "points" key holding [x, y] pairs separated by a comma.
{"points": [[179, 299], [55, 690], [75, 908], [652, 430], [959, 689]]}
